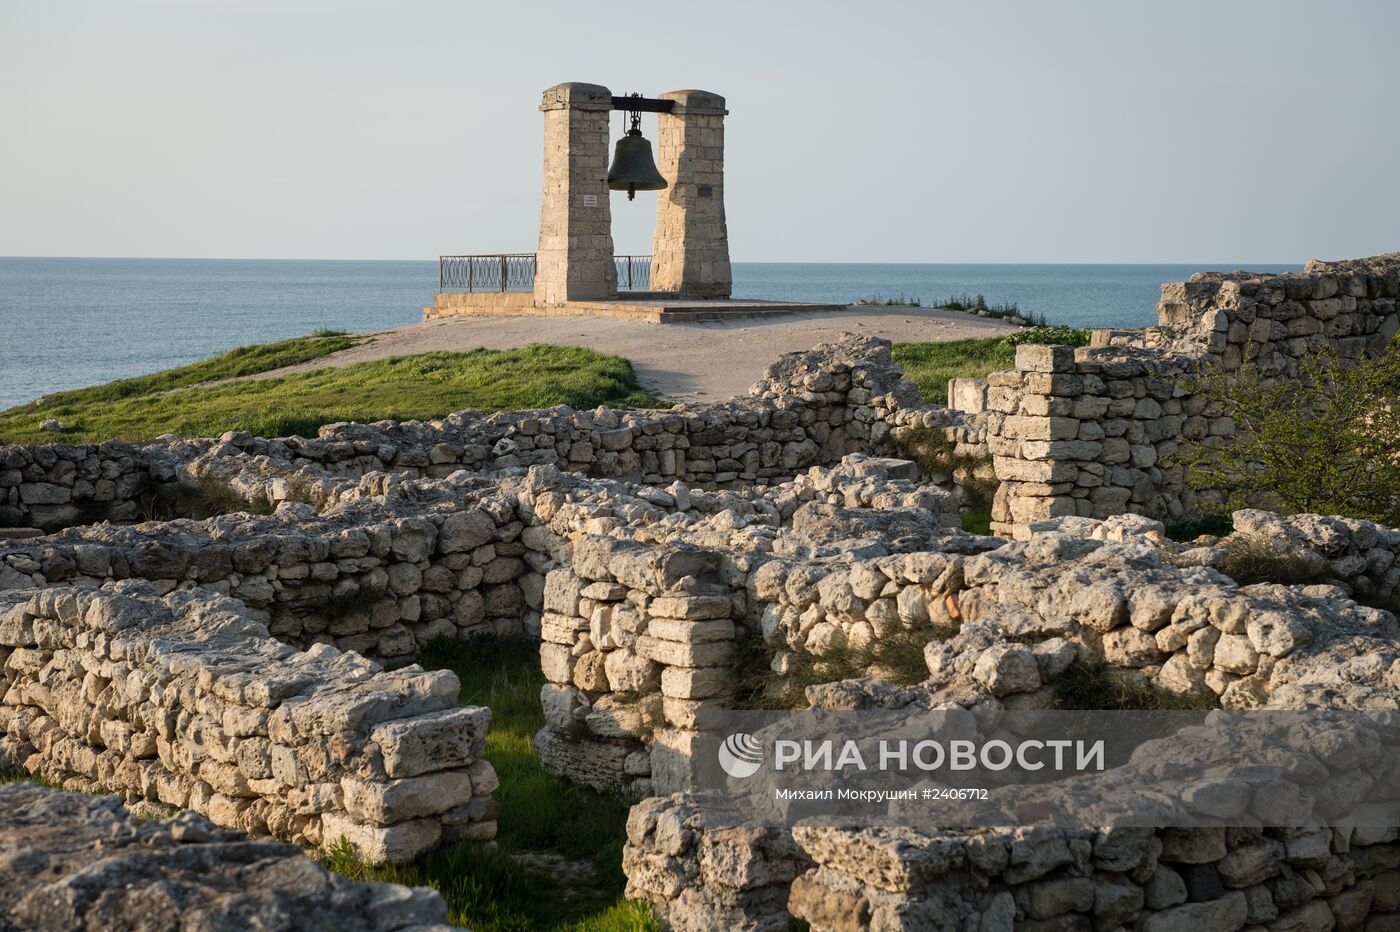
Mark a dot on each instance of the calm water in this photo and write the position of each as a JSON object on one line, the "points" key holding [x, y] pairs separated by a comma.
{"points": [[66, 323]]}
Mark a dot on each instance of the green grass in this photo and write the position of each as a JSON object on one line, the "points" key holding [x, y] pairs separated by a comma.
{"points": [[977, 521], [493, 892], [931, 365], [421, 386], [897, 656], [246, 360]]}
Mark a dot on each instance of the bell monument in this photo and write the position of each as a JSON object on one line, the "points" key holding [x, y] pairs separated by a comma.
{"points": [[574, 270], [691, 245]]}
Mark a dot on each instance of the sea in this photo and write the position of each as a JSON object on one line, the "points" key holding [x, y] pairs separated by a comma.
{"points": [[72, 322]]}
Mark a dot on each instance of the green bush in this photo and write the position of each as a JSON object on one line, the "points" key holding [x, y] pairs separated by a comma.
{"points": [[877, 300], [1250, 559], [1325, 442], [1049, 336]]}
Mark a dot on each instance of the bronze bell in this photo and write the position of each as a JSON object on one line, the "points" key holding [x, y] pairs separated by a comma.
{"points": [[633, 169]]}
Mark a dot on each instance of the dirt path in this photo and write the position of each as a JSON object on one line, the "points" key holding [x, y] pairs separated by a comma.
{"points": [[697, 361]]}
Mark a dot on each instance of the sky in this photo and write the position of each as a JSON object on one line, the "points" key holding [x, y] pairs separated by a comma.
{"points": [[876, 131]]}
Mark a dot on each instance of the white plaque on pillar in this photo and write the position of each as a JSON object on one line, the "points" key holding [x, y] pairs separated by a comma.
{"points": [[590, 200]]}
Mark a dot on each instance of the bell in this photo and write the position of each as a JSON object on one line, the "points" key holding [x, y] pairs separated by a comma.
{"points": [[633, 169]]}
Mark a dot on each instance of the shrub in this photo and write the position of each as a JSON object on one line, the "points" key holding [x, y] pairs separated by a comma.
{"points": [[1046, 335], [878, 301], [1212, 525], [1250, 559], [1326, 442]]}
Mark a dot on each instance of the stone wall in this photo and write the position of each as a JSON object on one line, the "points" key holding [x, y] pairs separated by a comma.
{"points": [[810, 408], [1015, 616], [704, 871], [1091, 432], [1361, 556], [702, 868], [636, 639], [1021, 615], [379, 577], [56, 485], [75, 861], [1170, 879], [648, 627], [187, 701]]}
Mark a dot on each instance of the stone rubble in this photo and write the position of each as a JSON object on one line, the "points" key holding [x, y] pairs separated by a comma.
{"points": [[74, 861]]}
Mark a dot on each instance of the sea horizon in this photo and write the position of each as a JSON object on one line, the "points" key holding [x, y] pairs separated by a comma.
{"points": [[1213, 266], [75, 321]]}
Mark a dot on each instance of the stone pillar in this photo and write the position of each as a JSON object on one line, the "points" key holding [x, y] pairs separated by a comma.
{"points": [[575, 257], [691, 248]]}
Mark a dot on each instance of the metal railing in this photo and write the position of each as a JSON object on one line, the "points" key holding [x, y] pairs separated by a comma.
{"points": [[633, 273], [515, 271], [492, 272]]}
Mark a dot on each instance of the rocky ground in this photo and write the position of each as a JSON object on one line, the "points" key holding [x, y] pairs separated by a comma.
{"points": [[74, 861]]}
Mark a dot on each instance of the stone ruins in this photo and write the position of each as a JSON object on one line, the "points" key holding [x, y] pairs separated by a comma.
{"points": [[249, 650]]}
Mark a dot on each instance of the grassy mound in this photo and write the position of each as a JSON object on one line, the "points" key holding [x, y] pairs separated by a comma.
{"points": [[421, 386], [245, 360]]}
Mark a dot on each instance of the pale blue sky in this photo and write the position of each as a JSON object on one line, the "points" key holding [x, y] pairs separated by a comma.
{"points": [[915, 131]]}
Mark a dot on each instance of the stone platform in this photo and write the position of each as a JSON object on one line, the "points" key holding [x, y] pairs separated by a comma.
{"points": [[645, 306]]}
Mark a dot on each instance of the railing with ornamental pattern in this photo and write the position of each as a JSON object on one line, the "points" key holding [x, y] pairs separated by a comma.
{"points": [[515, 271]]}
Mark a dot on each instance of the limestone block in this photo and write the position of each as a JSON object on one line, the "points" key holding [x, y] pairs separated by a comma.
{"points": [[382, 843], [557, 662], [439, 741], [1036, 358], [1006, 669], [672, 629], [590, 673], [627, 672], [696, 683], [678, 654], [383, 803], [692, 607], [1219, 915]]}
